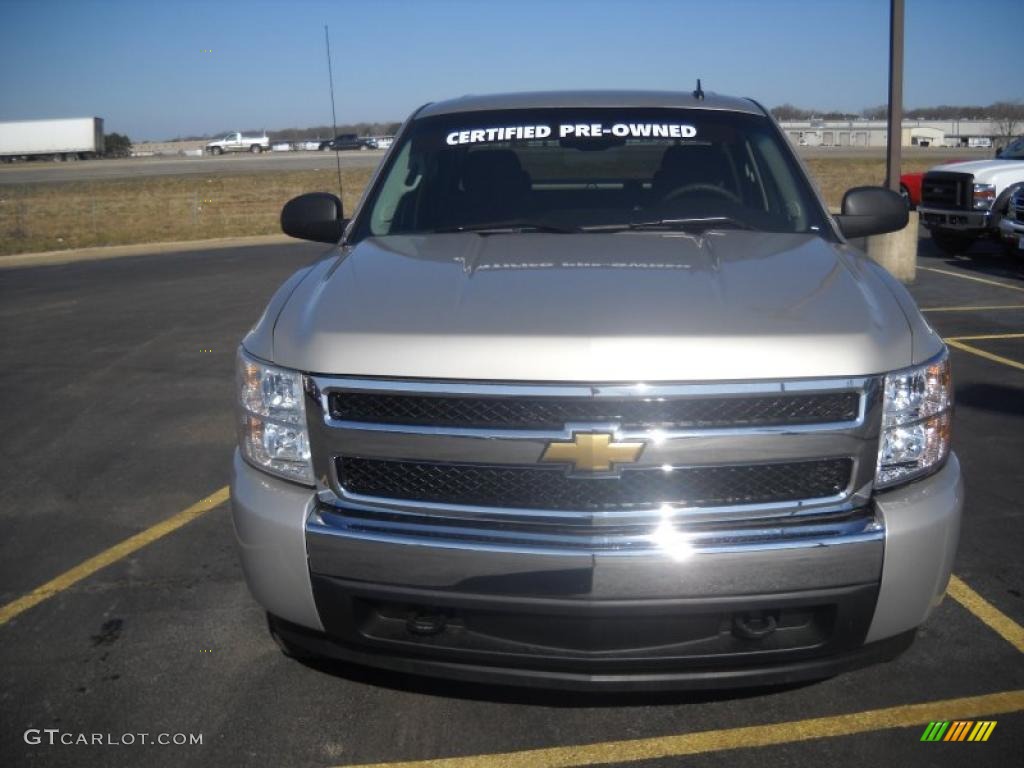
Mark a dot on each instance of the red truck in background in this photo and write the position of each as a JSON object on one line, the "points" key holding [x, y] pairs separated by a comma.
{"points": [[910, 185]]}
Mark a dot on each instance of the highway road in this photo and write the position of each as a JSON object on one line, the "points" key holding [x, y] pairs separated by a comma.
{"points": [[23, 173], [92, 170]]}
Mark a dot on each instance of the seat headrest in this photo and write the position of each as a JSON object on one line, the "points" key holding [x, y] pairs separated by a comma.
{"points": [[490, 169]]}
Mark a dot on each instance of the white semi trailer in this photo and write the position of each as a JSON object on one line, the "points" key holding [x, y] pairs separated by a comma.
{"points": [[74, 138]]}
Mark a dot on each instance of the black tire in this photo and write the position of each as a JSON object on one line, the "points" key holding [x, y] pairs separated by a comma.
{"points": [[218, 150], [255, 149], [288, 648], [951, 243]]}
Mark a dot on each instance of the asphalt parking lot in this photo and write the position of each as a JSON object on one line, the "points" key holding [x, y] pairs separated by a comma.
{"points": [[123, 609]]}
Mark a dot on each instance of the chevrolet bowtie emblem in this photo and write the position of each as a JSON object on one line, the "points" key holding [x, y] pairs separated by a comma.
{"points": [[592, 452]]}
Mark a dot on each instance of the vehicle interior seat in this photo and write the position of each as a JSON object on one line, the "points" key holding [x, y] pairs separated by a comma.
{"points": [[686, 164], [494, 184]]}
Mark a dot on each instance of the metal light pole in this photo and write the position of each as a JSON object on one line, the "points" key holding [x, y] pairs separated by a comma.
{"points": [[895, 138], [896, 251]]}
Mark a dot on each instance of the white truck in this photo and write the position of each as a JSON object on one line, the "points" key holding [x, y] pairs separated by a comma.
{"points": [[239, 142], [75, 138], [962, 202]]}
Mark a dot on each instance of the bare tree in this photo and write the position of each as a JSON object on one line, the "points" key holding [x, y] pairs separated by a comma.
{"points": [[1008, 117], [789, 112]]}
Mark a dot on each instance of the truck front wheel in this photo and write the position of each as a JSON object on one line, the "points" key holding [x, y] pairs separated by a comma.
{"points": [[288, 648], [255, 149], [217, 151], [951, 242]]}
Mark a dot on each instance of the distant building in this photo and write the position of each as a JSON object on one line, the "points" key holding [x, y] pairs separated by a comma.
{"points": [[875, 133]]}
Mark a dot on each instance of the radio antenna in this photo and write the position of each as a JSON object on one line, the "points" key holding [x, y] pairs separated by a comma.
{"points": [[334, 116]]}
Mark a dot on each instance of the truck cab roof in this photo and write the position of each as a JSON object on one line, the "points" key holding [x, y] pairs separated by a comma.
{"points": [[595, 98]]}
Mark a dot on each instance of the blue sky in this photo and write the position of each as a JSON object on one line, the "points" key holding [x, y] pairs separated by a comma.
{"points": [[142, 65]]}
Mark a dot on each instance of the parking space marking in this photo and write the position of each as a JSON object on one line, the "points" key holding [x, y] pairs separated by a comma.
{"points": [[983, 610], [971, 277], [132, 544], [971, 309], [982, 353], [987, 336], [603, 753]]}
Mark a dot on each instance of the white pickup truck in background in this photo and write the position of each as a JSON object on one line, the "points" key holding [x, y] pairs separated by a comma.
{"points": [[239, 142], [962, 202]]}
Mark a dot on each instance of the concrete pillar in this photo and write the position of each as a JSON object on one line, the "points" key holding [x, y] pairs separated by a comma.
{"points": [[897, 251]]}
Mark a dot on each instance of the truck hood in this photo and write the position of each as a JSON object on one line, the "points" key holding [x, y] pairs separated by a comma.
{"points": [[999, 172], [595, 307]]}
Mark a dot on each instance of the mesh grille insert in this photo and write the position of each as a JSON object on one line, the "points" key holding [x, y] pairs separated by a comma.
{"points": [[632, 413], [551, 488]]}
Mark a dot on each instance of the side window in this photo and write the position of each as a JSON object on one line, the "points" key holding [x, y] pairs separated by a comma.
{"points": [[753, 179], [403, 179], [786, 198]]}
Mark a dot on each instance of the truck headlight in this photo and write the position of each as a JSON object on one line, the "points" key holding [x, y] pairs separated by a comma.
{"points": [[984, 196], [916, 421], [272, 432]]}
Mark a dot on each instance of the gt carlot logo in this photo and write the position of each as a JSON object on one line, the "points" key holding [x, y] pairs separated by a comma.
{"points": [[55, 736], [959, 730]]}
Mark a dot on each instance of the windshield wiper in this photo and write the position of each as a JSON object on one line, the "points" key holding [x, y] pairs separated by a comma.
{"points": [[506, 227], [692, 224]]}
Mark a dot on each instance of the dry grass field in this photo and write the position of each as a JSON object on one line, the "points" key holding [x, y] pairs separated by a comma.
{"points": [[56, 216], [835, 175]]}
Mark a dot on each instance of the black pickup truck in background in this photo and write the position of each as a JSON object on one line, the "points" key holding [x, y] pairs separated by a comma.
{"points": [[346, 141]]}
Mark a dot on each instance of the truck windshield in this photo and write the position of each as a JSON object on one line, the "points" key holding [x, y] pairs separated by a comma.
{"points": [[1014, 151], [602, 170]]}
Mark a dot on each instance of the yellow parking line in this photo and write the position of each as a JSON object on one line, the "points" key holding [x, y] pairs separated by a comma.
{"points": [[995, 619], [971, 309], [632, 750], [988, 336], [982, 353], [107, 557], [972, 277]]}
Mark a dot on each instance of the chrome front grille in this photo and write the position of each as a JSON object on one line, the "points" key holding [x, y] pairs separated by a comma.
{"points": [[944, 189], [630, 413], [435, 458], [551, 488]]}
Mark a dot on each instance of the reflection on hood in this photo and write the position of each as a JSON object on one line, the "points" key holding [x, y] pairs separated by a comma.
{"points": [[625, 250]]}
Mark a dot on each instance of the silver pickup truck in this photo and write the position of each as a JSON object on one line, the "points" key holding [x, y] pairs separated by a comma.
{"points": [[592, 392], [238, 142]]}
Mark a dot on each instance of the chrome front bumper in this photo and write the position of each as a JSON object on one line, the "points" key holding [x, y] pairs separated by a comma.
{"points": [[906, 549], [1012, 231], [672, 568], [944, 218]]}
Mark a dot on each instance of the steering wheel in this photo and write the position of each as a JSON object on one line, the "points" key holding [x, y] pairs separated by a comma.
{"points": [[687, 189]]}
